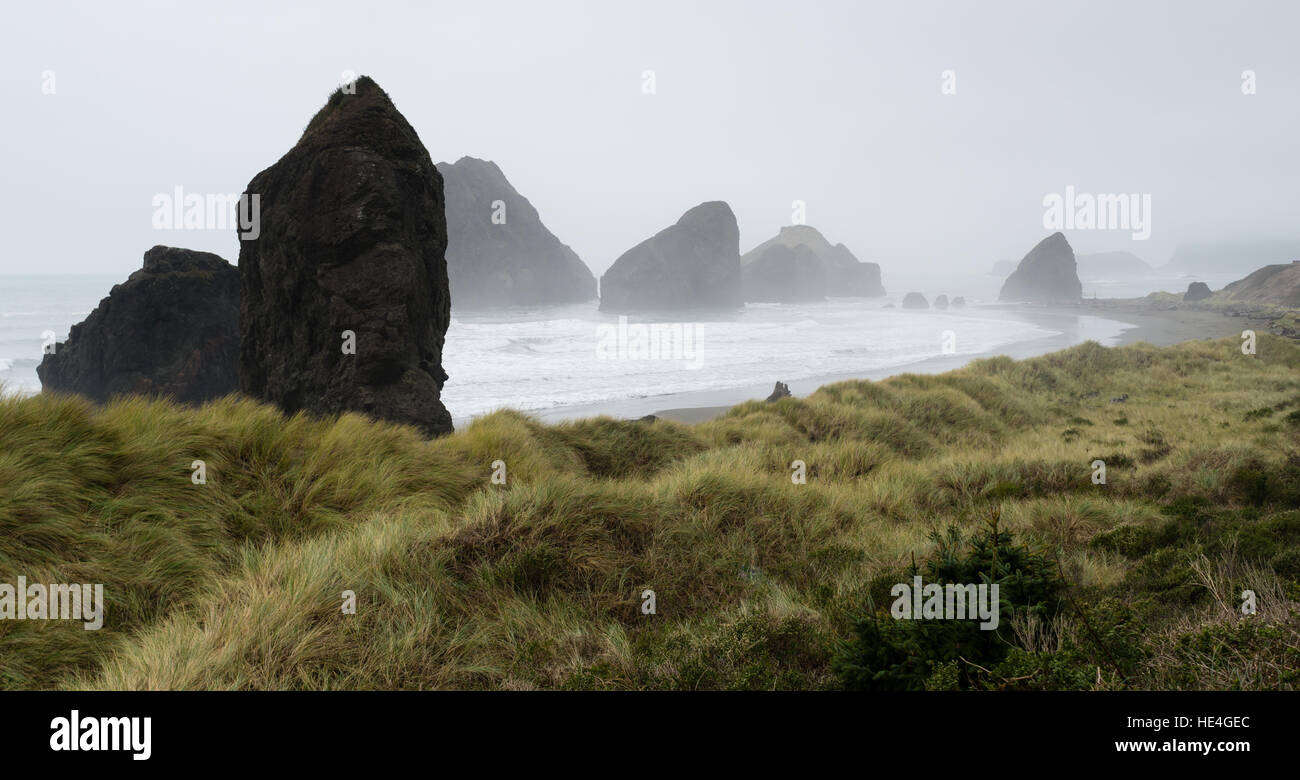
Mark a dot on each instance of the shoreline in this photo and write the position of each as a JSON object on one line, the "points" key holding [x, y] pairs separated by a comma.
{"points": [[1137, 321]]}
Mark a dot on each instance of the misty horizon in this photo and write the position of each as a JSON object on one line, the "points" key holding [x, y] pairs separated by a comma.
{"points": [[841, 107]]}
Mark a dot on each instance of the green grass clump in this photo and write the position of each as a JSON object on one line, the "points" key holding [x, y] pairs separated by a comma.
{"points": [[518, 555]]}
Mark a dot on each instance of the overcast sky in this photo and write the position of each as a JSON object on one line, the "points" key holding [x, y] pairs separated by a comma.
{"points": [[837, 104]]}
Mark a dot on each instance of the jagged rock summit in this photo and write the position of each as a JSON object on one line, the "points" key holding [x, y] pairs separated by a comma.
{"points": [[693, 264], [171, 329], [845, 275], [783, 274], [498, 251], [1048, 274], [345, 303]]}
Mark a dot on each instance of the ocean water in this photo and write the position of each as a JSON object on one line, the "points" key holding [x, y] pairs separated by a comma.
{"points": [[535, 360], [547, 358], [33, 305]]}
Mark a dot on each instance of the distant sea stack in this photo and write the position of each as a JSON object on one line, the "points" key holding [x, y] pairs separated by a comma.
{"points": [[1111, 264], [846, 276], [783, 274], [915, 300], [1003, 268], [344, 293], [1048, 274], [171, 329], [1197, 291], [694, 264], [941, 302], [498, 251]]}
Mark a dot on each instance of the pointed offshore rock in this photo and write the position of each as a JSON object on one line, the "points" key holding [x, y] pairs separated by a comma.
{"points": [[171, 329], [350, 256], [845, 275], [783, 274], [498, 251], [694, 264], [782, 390], [1048, 274]]}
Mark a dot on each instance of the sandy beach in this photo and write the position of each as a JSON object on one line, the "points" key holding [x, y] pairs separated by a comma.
{"points": [[1112, 322]]}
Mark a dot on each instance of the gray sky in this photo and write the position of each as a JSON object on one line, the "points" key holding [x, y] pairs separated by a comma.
{"points": [[837, 104]]}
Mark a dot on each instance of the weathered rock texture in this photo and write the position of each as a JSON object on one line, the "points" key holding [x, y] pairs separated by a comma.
{"points": [[171, 329], [694, 264], [1048, 274], [783, 274], [498, 251], [352, 238], [845, 275]]}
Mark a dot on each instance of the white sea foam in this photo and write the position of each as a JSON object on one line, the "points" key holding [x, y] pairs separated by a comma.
{"points": [[540, 359]]}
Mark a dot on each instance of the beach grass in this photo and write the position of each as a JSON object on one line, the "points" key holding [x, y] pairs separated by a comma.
{"points": [[518, 555]]}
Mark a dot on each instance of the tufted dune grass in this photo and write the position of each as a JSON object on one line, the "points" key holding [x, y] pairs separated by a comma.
{"points": [[462, 582]]}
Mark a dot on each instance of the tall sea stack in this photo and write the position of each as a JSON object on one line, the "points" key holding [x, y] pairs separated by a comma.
{"points": [[1048, 274], [694, 264], [345, 303], [498, 251]]}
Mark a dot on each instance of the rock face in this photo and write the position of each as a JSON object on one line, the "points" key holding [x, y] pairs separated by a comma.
{"points": [[694, 264], [498, 251], [941, 302], [782, 390], [845, 275], [1274, 284], [958, 302], [171, 329], [915, 300], [783, 274], [350, 254], [1197, 291], [1048, 274]]}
